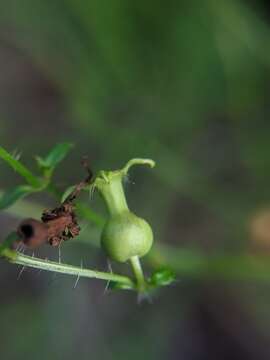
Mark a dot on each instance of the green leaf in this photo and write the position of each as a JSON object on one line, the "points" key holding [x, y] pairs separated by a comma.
{"points": [[116, 285], [11, 196], [162, 277], [20, 168], [5, 250], [55, 156]]}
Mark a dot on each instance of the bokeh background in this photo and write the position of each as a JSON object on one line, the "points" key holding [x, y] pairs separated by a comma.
{"points": [[187, 84]]}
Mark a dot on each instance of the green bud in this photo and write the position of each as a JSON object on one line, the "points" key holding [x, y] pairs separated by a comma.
{"points": [[124, 235]]}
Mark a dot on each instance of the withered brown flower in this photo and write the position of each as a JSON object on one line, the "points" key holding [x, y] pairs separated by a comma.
{"points": [[56, 225]]}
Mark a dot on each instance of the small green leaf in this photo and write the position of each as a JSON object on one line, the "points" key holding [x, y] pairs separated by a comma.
{"points": [[20, 168], [5, 246], [11, 196], [55, 156], [162, 277], [115, 285]]}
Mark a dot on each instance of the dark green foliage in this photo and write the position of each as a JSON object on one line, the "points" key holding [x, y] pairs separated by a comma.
{"points": [[17, 166], [162, 277], [48, 163], [47, 166]]}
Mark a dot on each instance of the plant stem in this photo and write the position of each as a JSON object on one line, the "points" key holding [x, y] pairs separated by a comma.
{"points": [[113, 194], [47, 265], [138, 272]]}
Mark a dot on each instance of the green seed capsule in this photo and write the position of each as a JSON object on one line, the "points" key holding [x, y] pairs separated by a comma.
{"points": [[124, 235]]}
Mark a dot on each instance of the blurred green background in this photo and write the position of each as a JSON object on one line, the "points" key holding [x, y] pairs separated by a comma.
{"points": [[187, 84]]}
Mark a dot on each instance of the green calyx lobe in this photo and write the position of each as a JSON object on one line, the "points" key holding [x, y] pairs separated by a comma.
{"points": [[124, 235]]}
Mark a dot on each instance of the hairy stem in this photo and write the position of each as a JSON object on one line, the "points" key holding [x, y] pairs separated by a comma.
{"points": [[20, 259]]}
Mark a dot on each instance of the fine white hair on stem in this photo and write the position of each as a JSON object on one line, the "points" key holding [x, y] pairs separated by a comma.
{"points": [[91, 191], [78, 277], [16, 154], [109, 266], [20, 259], [20, 248], [109, 281], [20, 272]]}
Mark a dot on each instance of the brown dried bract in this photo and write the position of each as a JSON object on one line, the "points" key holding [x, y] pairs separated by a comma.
{"points": [[61, 224], [56, 225]]}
